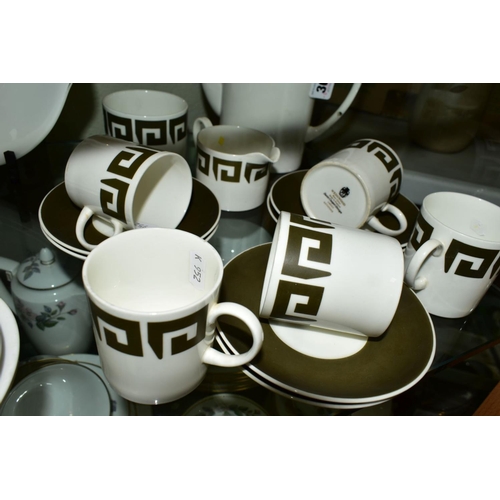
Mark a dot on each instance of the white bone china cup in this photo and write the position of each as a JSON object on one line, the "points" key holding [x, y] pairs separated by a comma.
{"points": [[149, 117], [355, 183], [453, 255], [127, 186], [332, 277], [154, 302]]}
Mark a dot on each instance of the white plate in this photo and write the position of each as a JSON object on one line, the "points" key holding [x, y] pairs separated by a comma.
{"points": [[9, 355], [28, 112]]}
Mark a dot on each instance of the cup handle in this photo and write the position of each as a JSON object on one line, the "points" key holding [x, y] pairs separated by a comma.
{"points": [[81, 222], [434, 247], [214, 357], [198, 125], [400, 216]]}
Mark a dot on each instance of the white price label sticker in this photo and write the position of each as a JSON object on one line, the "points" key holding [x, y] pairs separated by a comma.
{"points": [[321, 90], [197, 270]]}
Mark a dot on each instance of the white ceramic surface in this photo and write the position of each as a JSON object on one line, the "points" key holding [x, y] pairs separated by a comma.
{"points": [[453, 255], [119, 406], [233, 162], [47, 296], [353, 185], [385, 367], [282, 110], [148, 117], [322, 275], [28, 112], [153, 296], [129, 185], [59, 390], [9, 355]]}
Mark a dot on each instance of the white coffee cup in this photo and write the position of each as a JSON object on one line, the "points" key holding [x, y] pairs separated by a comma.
{"points": [[352, 185], [153, 297], [148, 117], [453, 255], [233, 162], [332, 277], [126, 185]]}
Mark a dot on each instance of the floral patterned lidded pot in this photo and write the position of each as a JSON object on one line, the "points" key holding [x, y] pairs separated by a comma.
{"points": [[47, 296]]}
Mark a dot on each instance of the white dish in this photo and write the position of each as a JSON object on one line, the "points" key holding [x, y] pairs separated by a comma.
{"points": [[59, 389], [118, 405], [9, 355], [28, 112]]}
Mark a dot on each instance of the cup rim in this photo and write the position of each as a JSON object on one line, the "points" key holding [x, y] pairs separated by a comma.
{"points": [[111, 103], [446, 197], [267, 141], [118, 241]]}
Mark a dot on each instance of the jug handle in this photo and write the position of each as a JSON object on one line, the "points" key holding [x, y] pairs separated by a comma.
{"points": [[10, 267], [314, 132]]}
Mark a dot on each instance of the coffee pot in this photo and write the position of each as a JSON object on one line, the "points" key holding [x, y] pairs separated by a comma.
{"points": [[282, 110], [47, 296]]}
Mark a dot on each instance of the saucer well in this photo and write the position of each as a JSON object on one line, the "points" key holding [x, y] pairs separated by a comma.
{"points": [[285, 195], [58, 215], [383, 368]]}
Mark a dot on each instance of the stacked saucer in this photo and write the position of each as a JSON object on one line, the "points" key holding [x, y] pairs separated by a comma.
{"points": [[320, 368], [58, 215], [285, 195]]}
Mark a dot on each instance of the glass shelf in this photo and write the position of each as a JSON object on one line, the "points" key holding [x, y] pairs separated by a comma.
{"points": [[230, 390]]}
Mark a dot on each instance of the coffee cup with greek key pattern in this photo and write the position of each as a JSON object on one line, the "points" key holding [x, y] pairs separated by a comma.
{"points": [[126, 186], [353, 185], [233, 162], [148, 117], [154, 302], [332, 277], [453, 255]]}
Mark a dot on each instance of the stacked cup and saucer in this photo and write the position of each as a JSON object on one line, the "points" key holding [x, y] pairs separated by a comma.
{"points": [[341, 328], [135, 176]]}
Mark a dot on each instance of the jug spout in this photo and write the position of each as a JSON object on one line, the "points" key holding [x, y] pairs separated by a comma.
{"points": [[262, 158]]}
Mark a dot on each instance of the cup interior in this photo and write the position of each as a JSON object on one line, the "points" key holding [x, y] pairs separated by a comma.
{"points": [[465, 214], [163, 194], [152, 270], [235, 140], [144, 103]]}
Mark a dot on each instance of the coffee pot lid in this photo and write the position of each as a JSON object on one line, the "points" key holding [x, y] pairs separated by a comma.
{"points": [[46, 270]]}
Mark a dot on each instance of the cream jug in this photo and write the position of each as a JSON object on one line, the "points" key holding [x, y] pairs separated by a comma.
{"points": [[282, 110]]}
